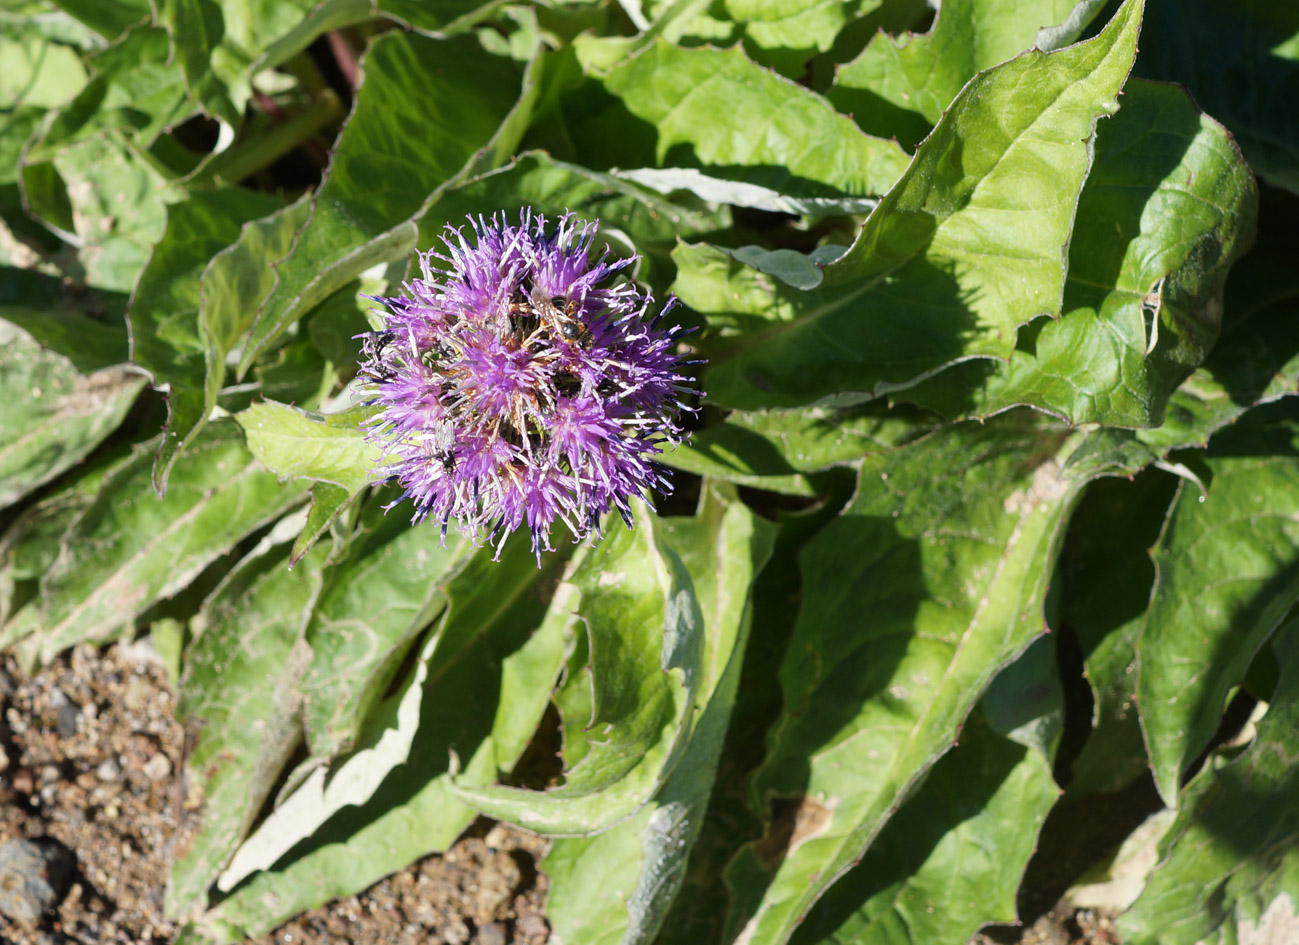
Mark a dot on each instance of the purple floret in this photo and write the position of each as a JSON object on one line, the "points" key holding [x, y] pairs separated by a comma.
{"points": [[520, 381]]}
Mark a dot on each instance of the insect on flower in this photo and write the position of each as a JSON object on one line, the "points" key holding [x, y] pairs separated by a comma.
{"points": [[519, 381]]}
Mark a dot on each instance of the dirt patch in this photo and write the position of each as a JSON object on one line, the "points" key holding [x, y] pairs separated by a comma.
{"points": [[91, 760]]}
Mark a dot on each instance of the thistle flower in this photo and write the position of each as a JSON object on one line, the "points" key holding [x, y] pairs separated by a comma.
{"points": [[521, 381]]}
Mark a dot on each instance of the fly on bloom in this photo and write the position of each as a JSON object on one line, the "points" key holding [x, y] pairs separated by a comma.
{"points": [[522, 381]]}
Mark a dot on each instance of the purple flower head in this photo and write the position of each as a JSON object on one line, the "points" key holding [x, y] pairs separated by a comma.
{"points": [[520, 381]]}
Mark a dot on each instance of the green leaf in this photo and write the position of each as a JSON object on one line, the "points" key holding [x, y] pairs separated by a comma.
{"points": [[486, 648], [109, 20], [377, 600], [330, 448], [772, 449], [967, 247], [1233, 59], [118, 203], [951, 858], [436, 18], [1107, 575], [240, 682], [167, 339], [215, 42], [702, 902], [415, 128], [740, 194], [931, 581], [38, 72], [630, 217], [30, 543], [328, 504], [1229, 865], [1167, 209], [716, 108], [645, 637], [135, 89], [89, 344], [55, 415], [130, 548], [784, 34], [1227, 571], [623, 881], [902, 85]]}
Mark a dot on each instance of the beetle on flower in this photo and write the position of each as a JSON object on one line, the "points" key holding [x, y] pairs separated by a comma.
{"points": [[520, 380]]}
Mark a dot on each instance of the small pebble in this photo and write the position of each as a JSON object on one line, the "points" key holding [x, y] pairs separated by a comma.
{"points": [[493, 933], [532, 926], [455, 932], [34, 876], [4, 759], [67, 723], [108, 770], [157, 767]]}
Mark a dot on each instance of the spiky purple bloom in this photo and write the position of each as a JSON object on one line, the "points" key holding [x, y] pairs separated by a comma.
{"points": [[521, 381]]}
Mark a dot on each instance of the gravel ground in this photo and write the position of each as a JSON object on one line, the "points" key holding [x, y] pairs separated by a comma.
{"points": [[89, 759], [89, 769]]}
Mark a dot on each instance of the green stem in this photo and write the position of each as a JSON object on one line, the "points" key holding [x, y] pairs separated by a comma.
{"points": [[265, 149]]}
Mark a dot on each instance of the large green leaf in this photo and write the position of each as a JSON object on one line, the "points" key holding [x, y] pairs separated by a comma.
{"points": [[931, 581], [1241, 63], [241, 683], [1168, 207], [970, 244], [901, 85], [646, 644], [486, 648], [717, 108], [130, 548], [951, 858], [166, 337], [619, 885], [378, 598], [416, 127], [702, 901], [1227, 572], [771, 449], [54, 415], [1229, 865]]}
